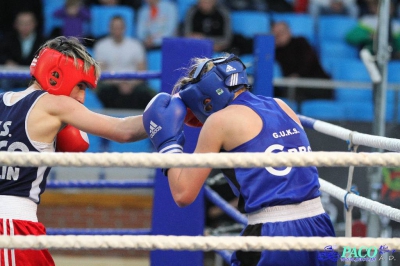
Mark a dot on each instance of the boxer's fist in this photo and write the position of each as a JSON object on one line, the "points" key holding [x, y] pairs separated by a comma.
{"points": [[191, 120], [163, 121], [71, 139]]}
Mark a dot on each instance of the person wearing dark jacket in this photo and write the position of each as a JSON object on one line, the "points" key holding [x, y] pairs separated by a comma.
{"points": [[20, 46], [297, 58]]}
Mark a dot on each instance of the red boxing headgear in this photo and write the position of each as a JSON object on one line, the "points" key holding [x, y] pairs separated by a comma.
{"points": [[57, 73]]}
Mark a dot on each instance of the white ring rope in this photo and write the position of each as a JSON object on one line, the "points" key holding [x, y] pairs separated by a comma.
{"points": [[378, 142], [212, 160], [146, 242], [361, 202]]}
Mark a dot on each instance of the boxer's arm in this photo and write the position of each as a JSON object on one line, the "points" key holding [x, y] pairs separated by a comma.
{"points": [[65, 110]]}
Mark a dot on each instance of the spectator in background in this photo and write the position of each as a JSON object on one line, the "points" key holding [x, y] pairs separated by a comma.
{"points": [[10, 8], [298, 59], [120, 53], [280, 6], [209, 20], [20, 46], [156, 20], [317, 8], [363, 34], [74, 15], [259, 5], [135, 4]]}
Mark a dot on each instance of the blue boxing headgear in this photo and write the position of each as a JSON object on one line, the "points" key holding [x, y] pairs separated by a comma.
{"points": [[213, 91]]}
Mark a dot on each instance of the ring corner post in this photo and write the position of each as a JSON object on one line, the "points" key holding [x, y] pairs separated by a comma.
{"points": [[167, 217], [264, 56]]}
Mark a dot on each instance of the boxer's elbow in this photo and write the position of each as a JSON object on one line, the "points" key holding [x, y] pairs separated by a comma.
{"points": [[183, 199]]}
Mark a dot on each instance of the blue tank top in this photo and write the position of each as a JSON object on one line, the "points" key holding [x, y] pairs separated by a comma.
{"points": [[263, 187], [18, 181]]}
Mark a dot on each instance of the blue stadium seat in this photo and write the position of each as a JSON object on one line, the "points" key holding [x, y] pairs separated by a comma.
{"points": [[248, 60], [292, 104], [50, 22], [351, 70], [92, 101], [102, 15], [393, 96], [95, 144], [277, 71], [250, 23], [183, 7], [337, 49], [359, 111], [334, 27], [154, 64], [323, 110], [300, 25]]}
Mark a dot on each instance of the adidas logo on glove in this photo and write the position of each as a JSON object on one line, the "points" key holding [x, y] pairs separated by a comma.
{"points": [[229, 68], [154, 128]]}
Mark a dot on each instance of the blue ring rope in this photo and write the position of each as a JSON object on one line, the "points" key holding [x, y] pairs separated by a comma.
{"points": [[220, 202], [123, 184], [97, 231], [104, 75]]}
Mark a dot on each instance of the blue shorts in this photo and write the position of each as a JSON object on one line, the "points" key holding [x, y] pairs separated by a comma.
{"points": [[319, 225]]}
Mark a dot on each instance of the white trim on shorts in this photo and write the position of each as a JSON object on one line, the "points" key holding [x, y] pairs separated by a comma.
{"points": [[18, 208], [283, 213]]}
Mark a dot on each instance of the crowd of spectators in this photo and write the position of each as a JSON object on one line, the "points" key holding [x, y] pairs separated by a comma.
{"points": [[22, 25]]}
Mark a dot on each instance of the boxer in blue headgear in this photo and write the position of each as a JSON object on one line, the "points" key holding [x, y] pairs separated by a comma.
{"points": [[278, 201], [212, 84]]}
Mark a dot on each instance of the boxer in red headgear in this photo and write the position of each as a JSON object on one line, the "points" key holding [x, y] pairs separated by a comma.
{"points": [[58, 74], [50, 110]]}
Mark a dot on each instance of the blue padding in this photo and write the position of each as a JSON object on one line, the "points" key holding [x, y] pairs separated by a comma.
{"points": [[168, 218]]}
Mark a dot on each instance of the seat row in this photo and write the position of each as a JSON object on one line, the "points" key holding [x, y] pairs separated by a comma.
{"points": [[326, 32]]}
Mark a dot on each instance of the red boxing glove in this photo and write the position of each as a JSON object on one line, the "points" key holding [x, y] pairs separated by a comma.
{"points": [[71, 139], [191, 120]]}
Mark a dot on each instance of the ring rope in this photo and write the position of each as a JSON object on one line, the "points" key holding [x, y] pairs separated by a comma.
{"points": [[378, 142], [212, 160], [145, 242], [97, 231], [23, 74], [361, 202], [215, 198], [350, 199], [96, 184]]}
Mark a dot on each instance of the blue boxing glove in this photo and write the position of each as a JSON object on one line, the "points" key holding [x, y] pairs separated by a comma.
{"points": [[163, 120]]}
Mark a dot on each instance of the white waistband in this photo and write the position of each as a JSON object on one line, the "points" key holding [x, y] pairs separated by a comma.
{"points": [[284, 213], [18, 208]]}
